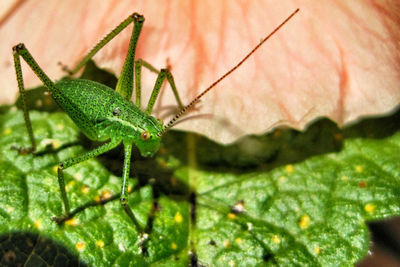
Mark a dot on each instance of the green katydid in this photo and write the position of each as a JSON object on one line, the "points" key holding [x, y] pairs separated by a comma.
{"points": [[104, 114]]}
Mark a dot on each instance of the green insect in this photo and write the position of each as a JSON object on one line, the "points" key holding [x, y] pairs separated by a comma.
{"points": [[105, 114]]}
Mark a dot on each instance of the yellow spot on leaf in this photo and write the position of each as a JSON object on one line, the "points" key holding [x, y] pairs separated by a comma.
{"points": [[80, 246], [105, 194], [238, 240], [38, 224], [78, 176], [72, 222], [289, 168], [70, 185], [369, 208], [85, 189], [345, 178], [359, 169], [226, 244], [231, 215], [276, 239], [178, 217], [55, 168], [60, 126], [100, 243], [10, 209], [174, 246], [129, 189], [7, 131], [304, 222], [231, 263], [317, 250], [55, 144], [282, 179]]}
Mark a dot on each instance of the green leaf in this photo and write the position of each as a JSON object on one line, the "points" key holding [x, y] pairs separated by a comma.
{"points": [[227, 207]]}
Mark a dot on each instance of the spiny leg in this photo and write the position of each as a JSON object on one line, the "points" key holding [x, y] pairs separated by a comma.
{"points": [[167, 73], [57, 94], [73, 161], [124, 187], [162, 74], [125, 82], [138, 21], [21, 87]]}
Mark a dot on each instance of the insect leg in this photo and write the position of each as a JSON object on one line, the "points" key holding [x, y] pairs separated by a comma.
{"points": [[57, 94], [125, 82], [138, 68], [124, 187], [104, 41], [73, 161], [27, 119]]}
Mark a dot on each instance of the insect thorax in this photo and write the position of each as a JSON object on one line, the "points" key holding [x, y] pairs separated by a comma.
{"points": [[101, 113]]}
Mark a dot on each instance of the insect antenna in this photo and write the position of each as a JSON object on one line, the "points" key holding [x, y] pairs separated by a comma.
{"points": [[185, 109]]}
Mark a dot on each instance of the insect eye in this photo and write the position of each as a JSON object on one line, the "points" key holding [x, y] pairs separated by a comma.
{"points": [[116, 112], [145, 136]]}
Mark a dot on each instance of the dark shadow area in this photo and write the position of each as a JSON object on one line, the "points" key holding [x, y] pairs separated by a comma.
{"points": [[375, 127], [33, 250], [387, 235], [280, 147]]}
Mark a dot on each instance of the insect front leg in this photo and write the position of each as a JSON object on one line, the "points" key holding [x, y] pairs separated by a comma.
{"points": [[57, 94], [124, 187], [73, 161], [28, 124], [161, 76]]}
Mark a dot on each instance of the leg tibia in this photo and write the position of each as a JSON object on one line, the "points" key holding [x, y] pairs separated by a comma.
{"points": [[125, 82], [72, 161], [103, 42], [124, 187], [164, 73], [21, 87]]}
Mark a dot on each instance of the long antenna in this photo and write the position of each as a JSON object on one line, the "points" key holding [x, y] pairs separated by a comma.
{"points": [[197, 98]]}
